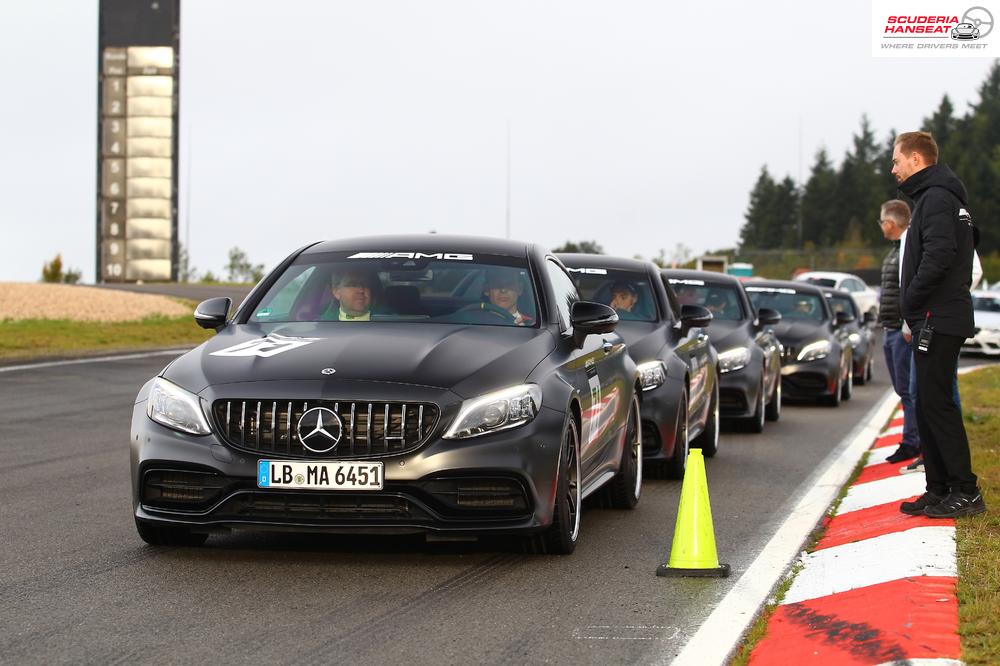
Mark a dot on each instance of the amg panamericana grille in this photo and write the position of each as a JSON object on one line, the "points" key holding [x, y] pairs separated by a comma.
{"points": [[368, 428]]}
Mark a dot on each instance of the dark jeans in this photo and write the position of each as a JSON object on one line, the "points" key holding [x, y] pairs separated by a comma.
{"points": [[943, 441], [899, 356]]}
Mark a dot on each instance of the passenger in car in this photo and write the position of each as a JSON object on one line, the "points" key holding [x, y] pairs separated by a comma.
{"points": [[503, 288], [354, 295], [717, 304], [624, 297]]}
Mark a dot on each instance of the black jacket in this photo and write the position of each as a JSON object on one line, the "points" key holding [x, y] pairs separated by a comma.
{"points": [[889, 312], [937, 259]]}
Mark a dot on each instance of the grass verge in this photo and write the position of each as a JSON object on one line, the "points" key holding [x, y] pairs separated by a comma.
{"points": [[38, 338], [979, 537]]}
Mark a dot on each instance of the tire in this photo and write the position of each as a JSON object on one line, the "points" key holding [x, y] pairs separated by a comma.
{"points": [[708, 440], [168, 535], [773, 411], [625, 487], [870, 370], [860, 378], [847, 388], [756, 422], [677, 465], [561, 537], [833, 400]]}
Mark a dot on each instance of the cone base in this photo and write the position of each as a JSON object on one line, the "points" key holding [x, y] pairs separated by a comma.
{"points": [[721, 571]]}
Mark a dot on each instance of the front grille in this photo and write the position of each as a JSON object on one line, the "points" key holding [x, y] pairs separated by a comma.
{"points": [[368, 428], [319, 507], [733, 401]]}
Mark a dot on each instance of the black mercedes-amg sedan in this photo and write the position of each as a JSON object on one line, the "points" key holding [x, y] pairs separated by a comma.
{"points": [[858, 332], [397, 384], [749, 351], [677, 364], [816, 356]]}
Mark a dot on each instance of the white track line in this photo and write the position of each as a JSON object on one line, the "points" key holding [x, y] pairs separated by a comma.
{"points": [[95, 359], [925, 661], [883, 491], [920, 551], [721, 632]]}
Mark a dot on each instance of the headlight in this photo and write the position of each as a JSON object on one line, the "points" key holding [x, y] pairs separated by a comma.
{"points": [[501, 410], [814, 351], [651, 375], [734, 359], [172, 406], [855, 339]]}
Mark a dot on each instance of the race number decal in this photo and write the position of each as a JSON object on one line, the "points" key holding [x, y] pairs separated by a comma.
{"points": [[272, 345]]}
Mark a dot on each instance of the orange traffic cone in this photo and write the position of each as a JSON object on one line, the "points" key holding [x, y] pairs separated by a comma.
{"points": [[693, 550]]}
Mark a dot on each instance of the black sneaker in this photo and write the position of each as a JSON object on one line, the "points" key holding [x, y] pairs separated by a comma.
{"points": [[917, 506], [915, 466], [903, 453], [956, 504]]}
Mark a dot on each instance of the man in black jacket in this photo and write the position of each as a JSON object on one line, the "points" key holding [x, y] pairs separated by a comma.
{"points": [[934, 282], [894, 218]]}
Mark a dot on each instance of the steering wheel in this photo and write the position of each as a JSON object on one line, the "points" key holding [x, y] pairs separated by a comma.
{"points": [[493, 311]]}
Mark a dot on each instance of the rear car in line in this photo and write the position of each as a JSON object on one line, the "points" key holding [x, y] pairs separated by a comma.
{"points": [[986, 310], [398, 384], [864, 296], [816, 361], [677, 364], [859, 334], [749, 351]]}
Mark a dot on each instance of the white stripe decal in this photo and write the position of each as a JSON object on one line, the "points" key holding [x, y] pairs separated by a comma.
{"points": [[921, 551], [883, 491], [95, 359]]}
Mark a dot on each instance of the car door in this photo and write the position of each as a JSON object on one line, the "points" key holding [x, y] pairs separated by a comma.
{"points": [[596, 371], [764, 337], [692, 347]]}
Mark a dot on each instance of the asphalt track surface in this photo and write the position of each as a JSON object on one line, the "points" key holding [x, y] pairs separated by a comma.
{"points": [[78, 585]]}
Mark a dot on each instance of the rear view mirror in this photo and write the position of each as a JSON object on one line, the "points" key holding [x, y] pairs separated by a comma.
{"points": [[843, 318], [587, 318], [868, 317], [213, 312], [768, 317], [693, 316]]}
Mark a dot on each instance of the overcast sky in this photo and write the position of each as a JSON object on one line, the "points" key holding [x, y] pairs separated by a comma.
{"points": [[637, 124]]}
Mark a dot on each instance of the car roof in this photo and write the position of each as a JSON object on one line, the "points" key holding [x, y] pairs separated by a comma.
{"points": [[801, 287], [426, 243], [581, 260], [708, 276]]}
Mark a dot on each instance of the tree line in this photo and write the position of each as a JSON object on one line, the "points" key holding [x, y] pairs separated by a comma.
{"points": [[838, 205]]}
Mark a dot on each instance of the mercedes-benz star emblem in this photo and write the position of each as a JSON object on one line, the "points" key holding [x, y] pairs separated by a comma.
{"points": [[320, 429]]}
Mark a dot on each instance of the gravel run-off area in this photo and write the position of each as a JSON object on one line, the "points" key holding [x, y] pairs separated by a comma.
{"points": [[20, 300]]}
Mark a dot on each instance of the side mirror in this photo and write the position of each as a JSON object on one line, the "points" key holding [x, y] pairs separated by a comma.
{"points": [[587, 317], [768, 317], [693, 316], [842, 318], [868, 317], [213, 312]]}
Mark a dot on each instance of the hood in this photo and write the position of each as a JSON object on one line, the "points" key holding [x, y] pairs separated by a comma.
{"points": [[728, 334], [795, 332], [460, 358], [645, 339], [936, 175]]}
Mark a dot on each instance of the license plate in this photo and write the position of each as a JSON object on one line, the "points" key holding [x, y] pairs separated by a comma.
{"points": [[309, 475]]}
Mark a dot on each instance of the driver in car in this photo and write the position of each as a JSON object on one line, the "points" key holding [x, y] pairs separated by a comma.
{"points": [[503, 288], [353, 291], [804, 307], [624, 297]]}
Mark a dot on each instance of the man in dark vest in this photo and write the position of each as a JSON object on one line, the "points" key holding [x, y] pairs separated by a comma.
{"points": [[934, 281], [893, 220]]}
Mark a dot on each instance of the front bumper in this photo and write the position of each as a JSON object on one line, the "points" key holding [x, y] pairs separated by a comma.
{"points": [[500, 483], [658, 410], [984, 342], [810, 379], [738, 391]]}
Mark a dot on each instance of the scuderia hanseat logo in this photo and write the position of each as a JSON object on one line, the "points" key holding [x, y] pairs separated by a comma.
{"points": [[929, 27]]}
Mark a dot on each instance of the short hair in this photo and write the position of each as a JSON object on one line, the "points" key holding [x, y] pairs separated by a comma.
{"points": [[338, 276], [502, 277], [623, 287], [898, 210], [918, 142]]}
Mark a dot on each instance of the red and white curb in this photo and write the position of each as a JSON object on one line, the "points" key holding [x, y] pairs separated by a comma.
{"points": [[880, 586]]}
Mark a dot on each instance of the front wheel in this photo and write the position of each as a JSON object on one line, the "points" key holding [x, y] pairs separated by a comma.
{"points": [[833, 400], [677, 465], [755, 423], [561, 537], [626, 486], [708, 440], [847, 388], [773, 412]]}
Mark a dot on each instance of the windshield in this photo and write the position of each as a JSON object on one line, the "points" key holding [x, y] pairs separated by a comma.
{"points": [[628, 292], [820, 282], [841, 304], [355, 287], [723, 301], [986, 303], [790, 303]]}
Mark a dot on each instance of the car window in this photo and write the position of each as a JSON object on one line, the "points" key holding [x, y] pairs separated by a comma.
{"points": [[564, 290], [789, 302], [986, 303], [842, 304], [381, 286], [628, 292], [821, 282], [722, 300]]}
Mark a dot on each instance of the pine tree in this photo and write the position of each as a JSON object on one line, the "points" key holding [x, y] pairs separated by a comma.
{"points": [[859, 192], [761, 196], [819, 202]]}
